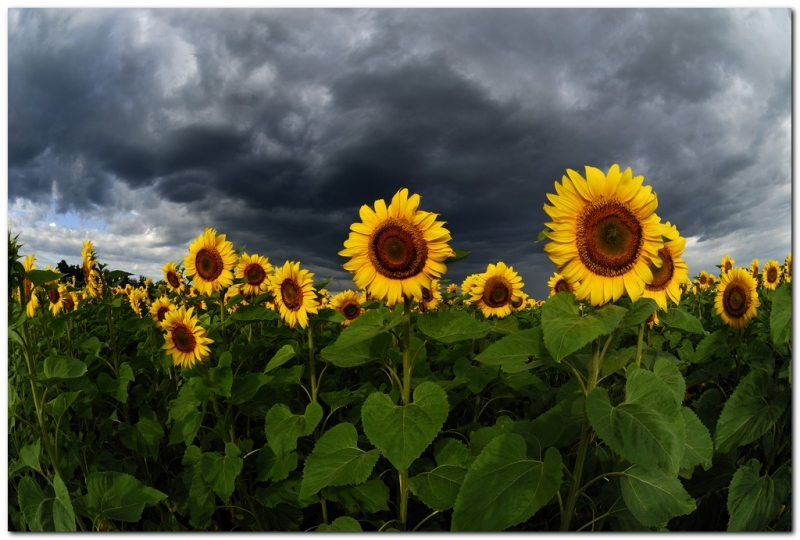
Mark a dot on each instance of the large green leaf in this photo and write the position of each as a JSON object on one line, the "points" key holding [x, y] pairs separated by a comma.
{"points": [[368, 497], [402, 433], [283, 355], [40, 277], [35, 506], [711, 345], [503, 487], [452, 326], [119, 496], [699, 448], [337, 461], [63, 513], [780, 318], [566, 330], [439, 487], [61, 403], [250, 314], [749, 412], [515, 348], [244, 387], [639, 312], [677, 319], [57, 368], [358, 353], [220, 471], [752, 502], [669, 373], [284, 428], [367, 325], [654, 497], [144, 437]]}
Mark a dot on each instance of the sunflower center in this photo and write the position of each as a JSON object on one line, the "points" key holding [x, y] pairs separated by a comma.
{"points": [[255, 274], [173, 280], [609, 238], [69, 305], [735, 300], [183, 338], [516, 302], [496, 293], [728, 266], [161, 313], [662, 276], [702, 279], [772, 274], [562, 286], [208, 263], [350, 311], [397, 249], [53, 295], [427, 295], [291, 295]]}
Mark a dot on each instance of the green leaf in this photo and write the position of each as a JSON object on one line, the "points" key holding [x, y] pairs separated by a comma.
{"points": [[367, 325], [117, 387], [752, 502], [40, 277], [63, 513], [359, 353], [250, 314], [708, 408], [451, 326], [337, 461], [57, 368], [221, 471], [147, 435], [369, 497], [676, 318], [503, 487], [283, 355], [698, 449], [61, 403], [220, 380], [271, 467], [341, 524], [459, 256], [116, 275], [780, 318], [566, 330], [284, 428], [654, 497], [560, 425], [477, 376], [119, 496], [712, 344], [669, 373], [29, 456], [515, 348], [201, 502], [245, 386], [749, 412], [402, 433], [35, 506], [438, 488], [451, 452], [639, 312]]}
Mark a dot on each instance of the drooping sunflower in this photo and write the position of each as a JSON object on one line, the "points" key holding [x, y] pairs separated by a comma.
{"points": [[56, 297], [737, 299], [256, 270], [210, 262], [160, 307], [91, 275], [33, 304], [184, 338], [771, 275], [431, 297], [667, 279], [173, 277], [295, 293], [137, 297], [396, 251], [604, 233], [726, 264], [31, 300], [787, 269], [495, 289], [754, 268], [348, 303], [559, 283]]}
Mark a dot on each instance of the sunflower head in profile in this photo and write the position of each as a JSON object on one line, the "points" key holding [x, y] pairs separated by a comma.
{"points": [[28, 264], [173, 277], [137, 297], [736, 300], [604, 234], [469, 282], [787, 269], [348, 303], [668, 277], [495, 289], [397, 250], [754, 268], [91, 274], [295, 295], [33, 304], [726, 264], [210, 262], [559, 283], [431, 297], [184, 338], [56, 296], [771, 275], [256, 270], [160, 307], [652, 319]]}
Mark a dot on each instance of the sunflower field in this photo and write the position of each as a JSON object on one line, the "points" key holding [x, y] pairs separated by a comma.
{"points": [[234, 395]]}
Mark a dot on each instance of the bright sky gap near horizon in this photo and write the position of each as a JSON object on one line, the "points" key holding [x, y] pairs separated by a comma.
{"points": [[137, 128]]}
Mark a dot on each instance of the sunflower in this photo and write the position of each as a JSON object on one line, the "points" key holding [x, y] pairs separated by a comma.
{"points": [[558, 283], [295, 293], [136, 297], [431, 297], [323, 298], [33, 304], [604, 234], [469, 282], [518, 303], [173, 277], [161, 306], [191, 294], [256, 270], [652, 319], [726, 264], [754, 268], [30, 297], [91, 275], [396, 251], [495, 289], [737, 299], [452, 288], [348, 303], [210, 262], [703, 279], [771, 275], [56, 297], [237, 289], [787, 269], [673, 271], [711, 280], [184, 338], [70, 301]]}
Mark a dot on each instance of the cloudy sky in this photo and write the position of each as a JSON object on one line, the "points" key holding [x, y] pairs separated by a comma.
{"points": [[138, 128]]}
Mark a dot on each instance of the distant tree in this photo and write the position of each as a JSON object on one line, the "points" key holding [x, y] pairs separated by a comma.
{"points": [[72, 270]]}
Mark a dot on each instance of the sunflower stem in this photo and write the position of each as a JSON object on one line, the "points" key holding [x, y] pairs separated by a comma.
{"points": [[406, 390], [639, 345]]}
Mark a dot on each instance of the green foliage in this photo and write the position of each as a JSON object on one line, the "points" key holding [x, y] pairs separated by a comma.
{"points": [[752, 499], [653, 496]]}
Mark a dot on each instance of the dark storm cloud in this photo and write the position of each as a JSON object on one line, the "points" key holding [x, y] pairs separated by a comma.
{"points": [[275, 126]]}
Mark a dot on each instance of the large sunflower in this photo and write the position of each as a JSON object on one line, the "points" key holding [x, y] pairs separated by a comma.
{"points": [[91, 275], [726, 264], [173, 277], [295, 294], [348, 303], [184, 338], [667, 279], [737, 299], [210, 262], [256, 270], [161, 306], [559, 283], [771, 275], [604, 234], [495, 289], [396, 251]]}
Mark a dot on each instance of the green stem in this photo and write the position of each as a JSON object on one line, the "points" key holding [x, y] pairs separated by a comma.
{"points": [[311, 365], [639, 345], [406, 392]]}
